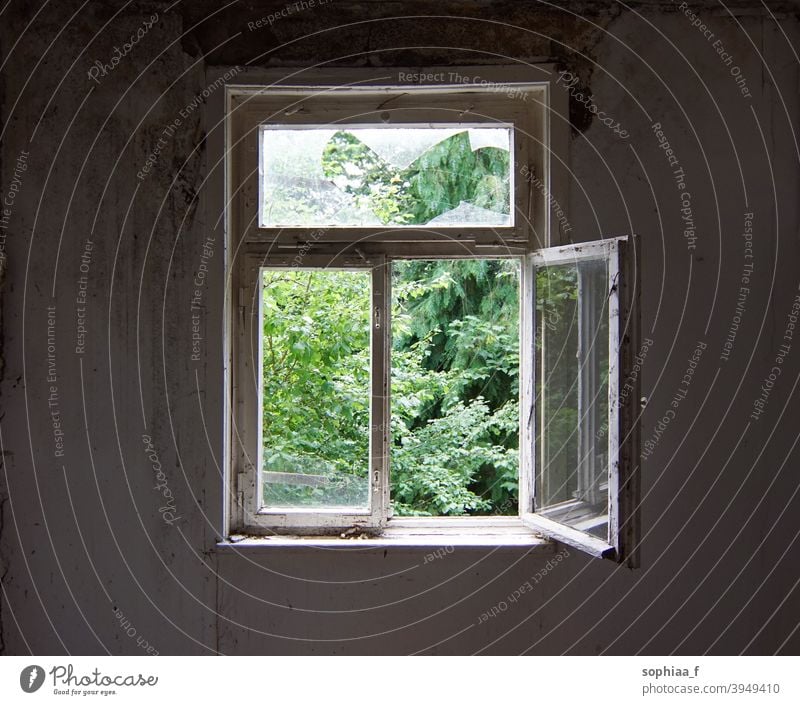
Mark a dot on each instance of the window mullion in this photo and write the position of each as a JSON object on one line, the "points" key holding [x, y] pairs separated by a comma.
{"points": [[381, 369]]}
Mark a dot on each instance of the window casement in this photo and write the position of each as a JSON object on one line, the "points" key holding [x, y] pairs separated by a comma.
{"points": [[289, 228]]}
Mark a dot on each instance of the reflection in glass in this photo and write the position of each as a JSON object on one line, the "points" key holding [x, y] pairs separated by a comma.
{"points": [[572, 394]]}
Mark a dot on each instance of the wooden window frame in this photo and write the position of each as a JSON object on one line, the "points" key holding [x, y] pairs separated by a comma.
{"points": [[347, 96], [317, 520], [622, 285]]}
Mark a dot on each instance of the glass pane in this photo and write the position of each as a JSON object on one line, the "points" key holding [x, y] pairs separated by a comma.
{"points": [[455, 387], [315, 388], [572, 394], [385, 176]]}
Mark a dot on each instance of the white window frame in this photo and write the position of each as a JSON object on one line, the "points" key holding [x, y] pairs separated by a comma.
{"points": [[621, 255], [316, 520], [524, 97]]}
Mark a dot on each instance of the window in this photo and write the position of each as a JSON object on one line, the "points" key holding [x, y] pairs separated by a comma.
{"points": [[362, 215]]}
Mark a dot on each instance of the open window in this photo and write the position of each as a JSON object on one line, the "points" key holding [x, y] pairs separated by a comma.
{"points": [[406, 349], [581, 404]]}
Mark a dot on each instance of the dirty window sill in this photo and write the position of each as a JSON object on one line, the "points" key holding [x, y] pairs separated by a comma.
{"points": [[461, 532]]}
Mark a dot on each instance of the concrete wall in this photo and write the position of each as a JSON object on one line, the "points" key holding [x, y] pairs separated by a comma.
{"points": [[88, 562]]}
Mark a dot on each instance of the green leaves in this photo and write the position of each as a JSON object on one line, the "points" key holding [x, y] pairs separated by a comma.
{"points": [[316, 369], [454, 377], [435, 465], [455, 363], [443, 177]]}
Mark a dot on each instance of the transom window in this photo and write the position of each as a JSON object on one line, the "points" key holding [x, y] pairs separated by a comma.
{"points": [[436, 175], [405, 343]]}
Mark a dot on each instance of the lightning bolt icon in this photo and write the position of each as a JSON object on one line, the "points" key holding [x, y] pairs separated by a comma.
{"points": [[32, 677]]}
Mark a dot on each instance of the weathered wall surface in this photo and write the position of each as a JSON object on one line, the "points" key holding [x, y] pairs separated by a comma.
{"points": [[111, 434]]}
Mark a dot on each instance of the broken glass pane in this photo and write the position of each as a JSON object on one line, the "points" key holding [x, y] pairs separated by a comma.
{"points": [[385, 176]]}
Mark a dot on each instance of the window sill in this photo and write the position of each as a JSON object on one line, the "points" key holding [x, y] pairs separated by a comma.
{"points": [[414, 533]]}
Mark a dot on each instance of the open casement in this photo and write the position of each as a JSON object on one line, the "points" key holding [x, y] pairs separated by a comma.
{"points": [[273, 488], [580, 403]]}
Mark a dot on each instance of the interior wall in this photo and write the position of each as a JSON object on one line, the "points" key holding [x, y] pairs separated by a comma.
{"points": [[108, 532]]}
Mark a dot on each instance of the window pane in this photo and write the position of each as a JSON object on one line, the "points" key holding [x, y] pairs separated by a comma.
{"points": [[572, 394], [385, 176], [315, 388], [455, 387]]}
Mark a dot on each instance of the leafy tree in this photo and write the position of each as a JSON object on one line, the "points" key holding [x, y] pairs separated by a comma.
{"points": [[460, 317], [315, 414], [455, 354], [445, 175]]}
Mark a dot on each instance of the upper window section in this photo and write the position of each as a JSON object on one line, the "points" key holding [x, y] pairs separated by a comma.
{"points": [[445, 175]]}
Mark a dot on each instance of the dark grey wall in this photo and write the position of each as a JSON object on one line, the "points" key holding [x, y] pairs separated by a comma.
{"points": [[88, 564]]}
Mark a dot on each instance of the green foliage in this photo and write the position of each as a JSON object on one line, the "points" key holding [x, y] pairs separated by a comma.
{"points": [[455, 387], [455, 354], [438, 181], [435, 465], [316, 370]]}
